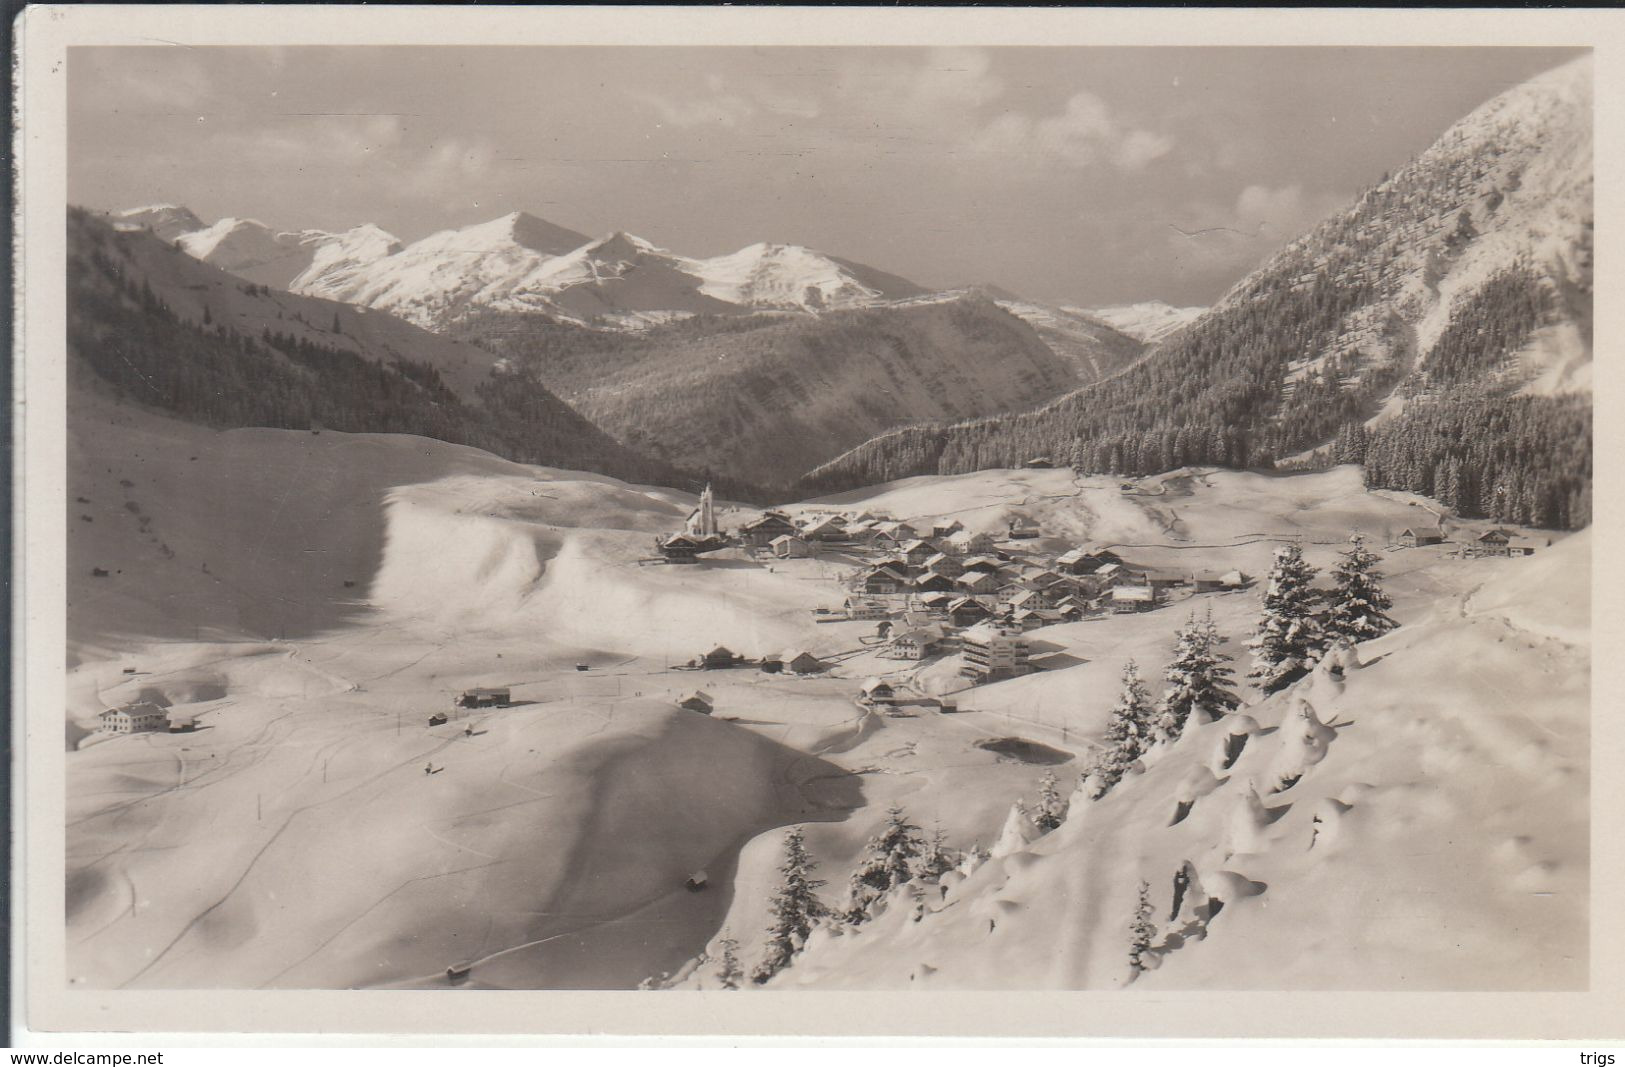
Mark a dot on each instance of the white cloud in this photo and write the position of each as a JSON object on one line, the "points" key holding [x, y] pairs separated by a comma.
{"points": [[1084, 134], [454, 169], [938, 90], [718, 106]]}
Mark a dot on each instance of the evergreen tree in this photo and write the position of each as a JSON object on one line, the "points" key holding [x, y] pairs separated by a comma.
{"points": [[1051, 805], [338, 327], [1197, 679], [887, 861], [1128, 734], [1141, 931], [795, 908], [1358, 605], [1289, 637], [937, 859], [729, 973]]}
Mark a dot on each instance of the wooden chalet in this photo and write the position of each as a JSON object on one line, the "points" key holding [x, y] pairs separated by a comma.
{"points": [[141, 717], [1417, 537], [860, 608], [825, 528], [979, 583], [800, 661], [719, 658], [917, 644], [885, 579], [492, 697], [931, 582], [790, 546], [946, 529], [916, 552], [1086, 561], [945, 565], [967, 611], [1022, 528], [1494, 542], [760, 531], [1127, 599], [875, 691], [1527, 546], [699, 701], [965, 543]]}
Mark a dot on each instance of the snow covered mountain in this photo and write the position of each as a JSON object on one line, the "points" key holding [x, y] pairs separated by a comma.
{"points": [[1149, 321], [284, 260], [168, 221]]}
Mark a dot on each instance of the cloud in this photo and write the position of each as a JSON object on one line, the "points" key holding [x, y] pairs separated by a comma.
{"points": [[1086, 133], [453, 169], [716, 107], [939, 89]]}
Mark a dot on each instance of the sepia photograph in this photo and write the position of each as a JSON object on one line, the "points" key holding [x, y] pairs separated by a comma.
{"points": [[781, 518]]}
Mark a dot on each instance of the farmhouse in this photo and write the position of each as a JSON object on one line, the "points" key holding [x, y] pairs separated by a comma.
{"points": [[857, 608], [138, 718], [936, 602], [946, 529], [182, 725], [485, 698], [989, 564], [885, 579], [760, 531], [1161, 581], [1216, 581], [1494, 542], [978, 583], [990, 653], [1126, 599], [916, 552], [789, 546], [917, 644], [1086, 560], [699, 701], [945, 565], [1420, 536], [1526, 546], [930, 582], [966, 611], [965, 543], [719, 658], [875, 691], [1022, 528], [825, 528]]}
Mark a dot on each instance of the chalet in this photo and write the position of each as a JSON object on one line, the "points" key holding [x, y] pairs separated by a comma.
{"points": [[789, 546], [699, 701], [884, 580], [917, 644], [800, 661], [682, 547], [1527, 546], [930, 582], [825, 528], [1420, 536], [936, 602], [863, 516], [916, 552], [1162, 581], [965, 543], [965, 611], [1119, 574], [979, 583], [485, 698], [894, 535], [141, 717], [1044, 580], [760, 531], [439, 718], [857, 608], [945, 565], [1494, 542], [1011, 590], [1025, 619], [1086, 561], [1216, 581], [861, 531], [981, 563], [991, 653], [719, 658], [182, 725], [1027, 600], [1071, 608], [875, 691], [1022, 528], [946, 529], [1126, 599], [772, 663]]}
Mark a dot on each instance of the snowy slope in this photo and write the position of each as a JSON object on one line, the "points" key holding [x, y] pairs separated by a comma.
{"points": [[252, 250], [1435, 836], [1149, 321]]}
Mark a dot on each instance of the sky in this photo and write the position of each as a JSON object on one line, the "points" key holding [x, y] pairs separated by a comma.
{"points": [[1062, 174]]}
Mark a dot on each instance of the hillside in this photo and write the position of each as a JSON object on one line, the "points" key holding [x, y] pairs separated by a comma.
{"points": [[159, 328], [1149, 321], [1454, 294], [766, 398]]}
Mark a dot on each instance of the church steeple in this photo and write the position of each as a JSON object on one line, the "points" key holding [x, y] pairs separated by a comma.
{"points": [[703, 519]]}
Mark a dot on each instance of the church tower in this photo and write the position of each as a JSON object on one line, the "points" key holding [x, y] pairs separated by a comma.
{"points": [[703, 519]]}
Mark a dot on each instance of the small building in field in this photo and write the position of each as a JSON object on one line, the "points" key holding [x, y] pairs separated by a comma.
{"points": [[859, 608], [1127, 599], [772, 663], [485, 697], [719, 658], [1162, 581], [991, 653], [789, 546], [139, 718], [1207, 581], [1494, 542], [182, 725], [800, 661], [699, 701], [439, 718], [885, 579], [875, 691], [760, 531], [1527, 546], [1420, 536]]}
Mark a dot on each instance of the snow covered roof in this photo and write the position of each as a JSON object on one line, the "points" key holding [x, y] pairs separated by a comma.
{"points": [[870, 685], [1131, 592], [699, 695]]}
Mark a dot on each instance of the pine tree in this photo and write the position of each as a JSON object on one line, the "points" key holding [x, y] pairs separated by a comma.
{"points": [[888, 861], [1128, 734], [729, 973], [1358, 605], [1288, 638], [1141, 931], [1197, 680], [937, 859], [795, 908], [1051, 805]]}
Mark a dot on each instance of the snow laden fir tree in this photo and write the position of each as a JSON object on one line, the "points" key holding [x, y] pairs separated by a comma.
{"points": [[795, 908], [1128, 735], [1359, 607], [1198, 681], [889, 860], [1289, 637]]}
